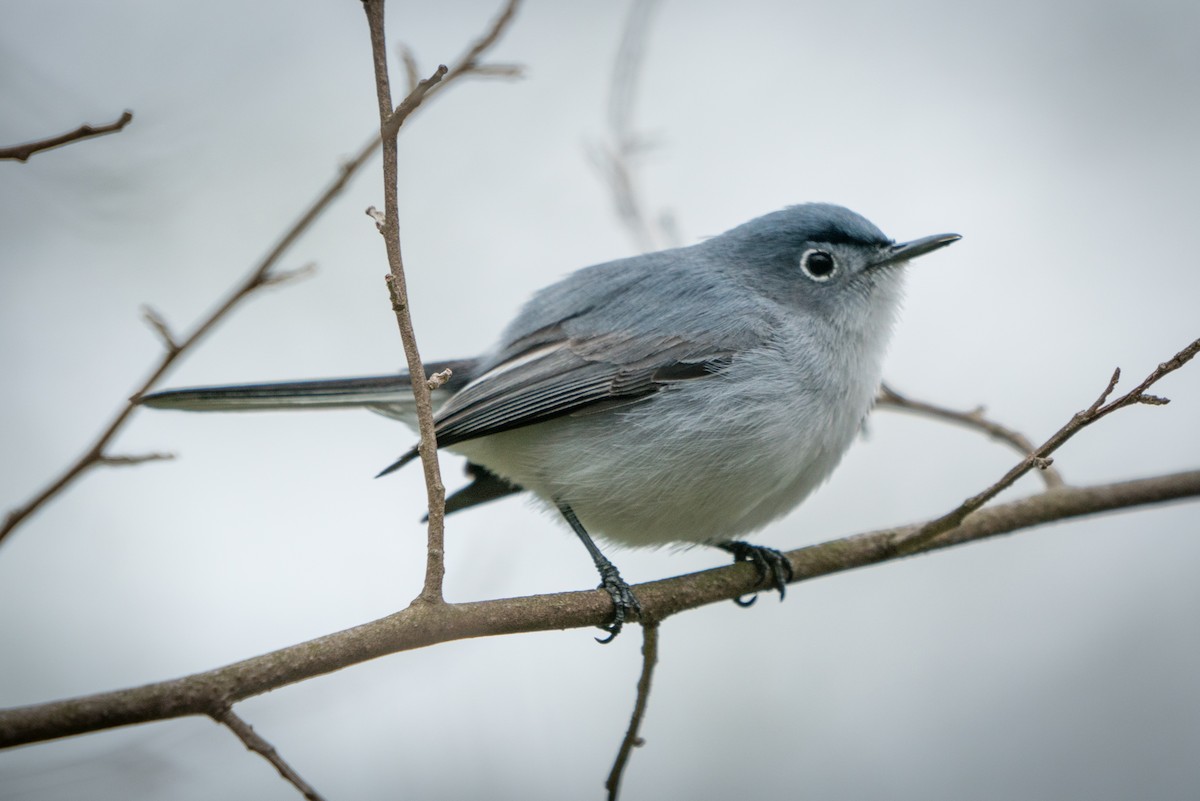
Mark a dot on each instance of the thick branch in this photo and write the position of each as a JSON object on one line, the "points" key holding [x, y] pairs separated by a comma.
{"points": [[428, 624], [23, 152]]}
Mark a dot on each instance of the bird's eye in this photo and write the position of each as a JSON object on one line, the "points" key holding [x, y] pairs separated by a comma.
{"points": [[819, 265]]}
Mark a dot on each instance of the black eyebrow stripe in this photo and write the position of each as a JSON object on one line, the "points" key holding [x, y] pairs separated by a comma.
{"points": [[834, 235]]}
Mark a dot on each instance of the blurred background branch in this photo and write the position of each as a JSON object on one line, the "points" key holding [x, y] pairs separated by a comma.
{"points": [[23, 152]]}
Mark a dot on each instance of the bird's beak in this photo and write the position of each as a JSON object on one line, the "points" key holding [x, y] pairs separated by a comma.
{"points": [[904, 251]]}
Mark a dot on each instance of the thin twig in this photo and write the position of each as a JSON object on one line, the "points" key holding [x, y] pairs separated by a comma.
{"points": [[632, 740], [389, 125], [159, 324], [890, 398], [412, 72], [393, 120], [255, 742], [280, 277], [615, 160], [422, 625], [1100, 408], [259, 276], [469, 61], [23, 152], [390, 121], [134, 459]]}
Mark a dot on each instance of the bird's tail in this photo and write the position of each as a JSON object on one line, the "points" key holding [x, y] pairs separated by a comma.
{"points": [[389, 395]]}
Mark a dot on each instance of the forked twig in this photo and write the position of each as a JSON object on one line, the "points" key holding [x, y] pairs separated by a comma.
{"points": [[1101, 407]]}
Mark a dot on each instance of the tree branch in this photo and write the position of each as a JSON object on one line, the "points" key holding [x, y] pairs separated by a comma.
{"points": [[1040, 456], [389, 124], [128, 460], [255, 742], [259, 276], [422, 625], [632, 740], [615, 160], [23, 152]]}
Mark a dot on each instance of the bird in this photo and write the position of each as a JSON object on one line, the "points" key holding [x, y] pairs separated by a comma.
{"points": [[684, 396]]}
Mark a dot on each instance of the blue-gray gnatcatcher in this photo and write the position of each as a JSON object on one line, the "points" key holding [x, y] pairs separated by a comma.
{"points": [[686, 396]]}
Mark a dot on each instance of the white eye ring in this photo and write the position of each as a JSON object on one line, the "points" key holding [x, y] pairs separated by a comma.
{"points": [[819, 265]]}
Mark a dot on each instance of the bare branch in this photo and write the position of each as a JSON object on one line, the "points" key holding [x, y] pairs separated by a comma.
{"points": [[632, 740], [23, 152], [280, 277], [1108, 390], [258, 277], [615, 159], [389, 125], [159, 324], [393, 121], [422, 625], [134, 459], [500, 71], [255, 742], [412, 72], [469, 61], [1079, 421], [890, 398]]}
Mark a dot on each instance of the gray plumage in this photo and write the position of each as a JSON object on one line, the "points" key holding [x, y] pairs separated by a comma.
{"points": [[690, 395]]}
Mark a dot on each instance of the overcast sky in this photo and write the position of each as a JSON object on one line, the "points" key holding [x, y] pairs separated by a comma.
{"points": [[1058, 138]]}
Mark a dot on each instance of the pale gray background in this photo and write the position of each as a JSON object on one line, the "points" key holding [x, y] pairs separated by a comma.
{"points": [[1059, 139]]}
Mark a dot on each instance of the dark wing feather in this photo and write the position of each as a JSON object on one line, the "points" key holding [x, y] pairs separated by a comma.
{"points": [[562, 378], [569, 376]]}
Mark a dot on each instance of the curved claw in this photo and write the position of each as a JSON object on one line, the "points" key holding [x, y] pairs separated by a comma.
{"points": [[766, 561], [612, 634], [625, 603], [746, 602]]}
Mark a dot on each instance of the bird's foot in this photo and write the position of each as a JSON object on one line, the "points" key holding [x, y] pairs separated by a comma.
{"points": [[625, 603], [766, 561]]}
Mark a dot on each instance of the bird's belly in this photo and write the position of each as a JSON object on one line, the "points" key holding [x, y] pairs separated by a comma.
{"points": [[677, 467]]}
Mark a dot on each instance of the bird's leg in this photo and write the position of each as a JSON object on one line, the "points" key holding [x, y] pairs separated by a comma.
{"points": [[625, 603], [765, 560]]}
